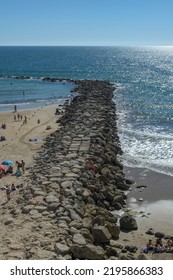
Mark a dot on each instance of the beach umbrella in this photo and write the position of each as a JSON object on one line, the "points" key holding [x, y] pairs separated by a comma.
{"points": [[7, 162], [2, 167]]}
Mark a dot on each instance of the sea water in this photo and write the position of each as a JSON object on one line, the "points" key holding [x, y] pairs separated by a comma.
{"points": [[144, 97], [31, 92]]}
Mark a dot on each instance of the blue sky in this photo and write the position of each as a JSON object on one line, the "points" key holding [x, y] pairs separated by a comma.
{"points": [[86, 22]]}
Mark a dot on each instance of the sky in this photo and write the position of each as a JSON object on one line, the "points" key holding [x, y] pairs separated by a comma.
{"points": [[86, 22]]}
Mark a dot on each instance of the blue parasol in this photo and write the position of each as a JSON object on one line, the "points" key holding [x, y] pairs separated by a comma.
{"points": [[7, 162]]}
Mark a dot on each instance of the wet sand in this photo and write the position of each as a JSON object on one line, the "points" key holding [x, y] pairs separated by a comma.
{"points": [[152, 204]]}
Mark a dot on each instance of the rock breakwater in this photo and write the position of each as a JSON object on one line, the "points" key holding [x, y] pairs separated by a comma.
{"points": [[65, 211]]}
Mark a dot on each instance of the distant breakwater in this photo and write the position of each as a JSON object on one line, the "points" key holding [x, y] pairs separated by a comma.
{"points": [[48, 79], [75, 184]]}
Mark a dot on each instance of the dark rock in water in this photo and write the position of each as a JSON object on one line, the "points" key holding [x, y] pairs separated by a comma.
{"points": [[117, 206], [141, 186], [129, 182], [127, 222], [123, 186]]}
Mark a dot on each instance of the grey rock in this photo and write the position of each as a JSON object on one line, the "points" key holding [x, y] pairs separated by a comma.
{"points": [[89, 252], [127, 222], [79, 239], [61, 249], [101, 234], [113, 229]]}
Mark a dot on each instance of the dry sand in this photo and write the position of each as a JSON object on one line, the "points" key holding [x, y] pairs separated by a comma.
{"points": [[17, 145]]}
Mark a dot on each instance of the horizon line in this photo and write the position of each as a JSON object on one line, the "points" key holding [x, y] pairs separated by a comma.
{"points": [[86, 45]]}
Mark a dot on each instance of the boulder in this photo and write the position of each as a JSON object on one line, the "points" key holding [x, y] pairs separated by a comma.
{"points": [[61, 249], [127, 222], [79, 239], [101, 234], [113, 229], [89, 252], [159, 234]]}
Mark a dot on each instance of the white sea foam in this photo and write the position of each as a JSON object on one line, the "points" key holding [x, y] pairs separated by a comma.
{"points": [[147, 148]]}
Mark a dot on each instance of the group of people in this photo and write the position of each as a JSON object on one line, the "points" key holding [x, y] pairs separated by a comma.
{"points": [[89, 164], [4, 172], [20, 166], [158, 246], [10, 169], [19, 117], [20, 169]]}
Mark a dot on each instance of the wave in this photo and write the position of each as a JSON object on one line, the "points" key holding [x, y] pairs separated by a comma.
{"points": [[162, 167], [147, 149], [147, 133], [32, 100]]}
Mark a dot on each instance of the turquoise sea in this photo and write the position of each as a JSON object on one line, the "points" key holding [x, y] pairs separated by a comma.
{"points": [[144, 97]]}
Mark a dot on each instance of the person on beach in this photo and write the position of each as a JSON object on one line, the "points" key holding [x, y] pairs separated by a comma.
{"points": [[15, 108], [3, 126], [18, 117], [8, 190], [13, 188], [169, 246], [14, 118], [38, 121], [9, 170], [150, 245], [23, 166], [25, 120], [18, 165]]}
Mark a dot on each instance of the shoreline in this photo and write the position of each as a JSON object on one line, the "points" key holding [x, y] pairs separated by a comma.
{"points": [[155, 195], [76, 223]]}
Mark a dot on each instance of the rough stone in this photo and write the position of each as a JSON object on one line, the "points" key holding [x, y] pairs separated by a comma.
{"points": [[127, 222]]}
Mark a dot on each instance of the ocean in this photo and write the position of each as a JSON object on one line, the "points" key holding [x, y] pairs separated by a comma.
{"points": [[144, 97]]}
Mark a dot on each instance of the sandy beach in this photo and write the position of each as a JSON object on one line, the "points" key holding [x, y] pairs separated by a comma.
{"points": [[18, 145]]}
